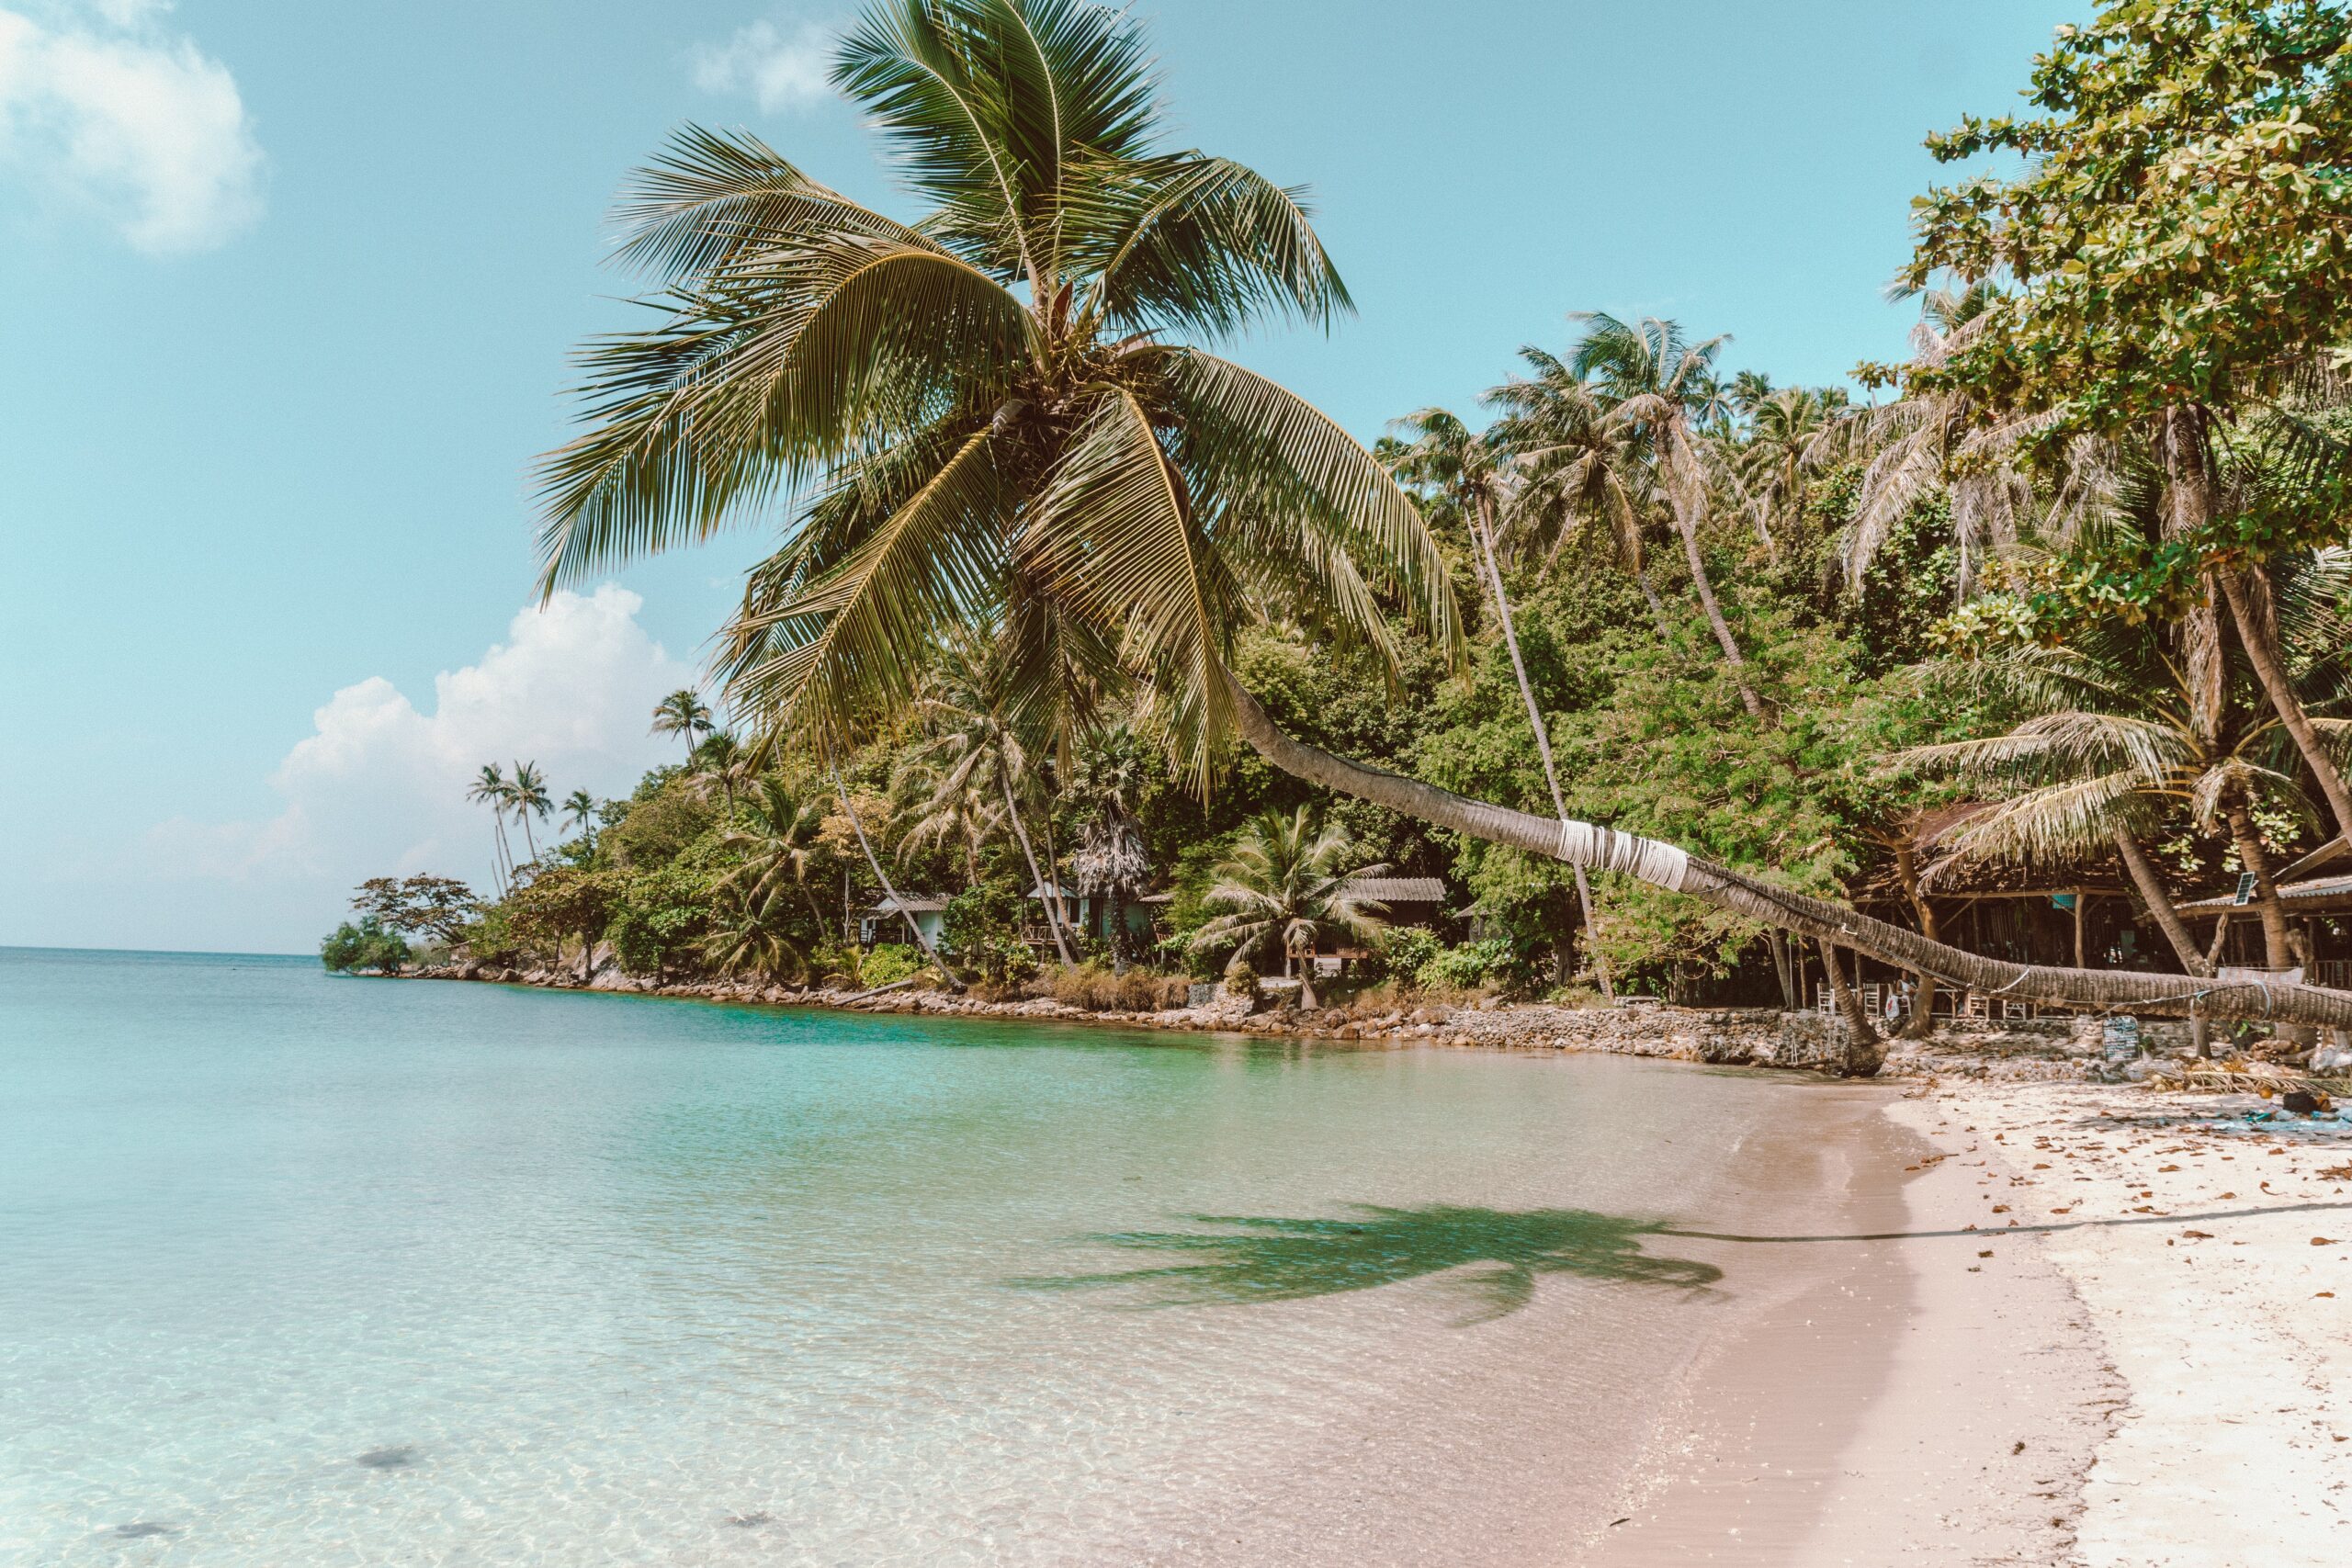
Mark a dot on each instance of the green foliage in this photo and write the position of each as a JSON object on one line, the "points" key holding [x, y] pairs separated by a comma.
{"points": [[1465, 967], [889, 962], [561, 904], [434, 907], [367, 946], [660, 918], [981, 926], [2182, 230]]}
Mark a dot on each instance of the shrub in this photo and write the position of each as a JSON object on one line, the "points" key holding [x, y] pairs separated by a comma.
{"points": [[982, 928], [368, 945], [1466, 967], [891, 962], [1402, 954]]}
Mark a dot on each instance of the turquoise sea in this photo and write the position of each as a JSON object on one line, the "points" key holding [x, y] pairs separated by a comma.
{"points": [[302, 1271]]}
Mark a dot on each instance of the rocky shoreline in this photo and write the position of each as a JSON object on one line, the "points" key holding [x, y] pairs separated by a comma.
{"points": [[2040, 1050]]}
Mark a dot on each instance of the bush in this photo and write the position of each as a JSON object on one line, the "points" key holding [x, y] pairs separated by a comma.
{"points": [[1466, 967], [1401, 954], [891, 962], [982, 928], [368, 945]]}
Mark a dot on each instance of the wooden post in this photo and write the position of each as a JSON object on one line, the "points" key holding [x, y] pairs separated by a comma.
{"points": [[2082, 901]]}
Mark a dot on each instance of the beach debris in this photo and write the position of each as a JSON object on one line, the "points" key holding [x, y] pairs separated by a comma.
{"points": [[2324, 1241], [2199, 1235]]}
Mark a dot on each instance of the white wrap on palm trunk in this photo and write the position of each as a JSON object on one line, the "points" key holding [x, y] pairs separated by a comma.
{"points": [[1605, 849]]}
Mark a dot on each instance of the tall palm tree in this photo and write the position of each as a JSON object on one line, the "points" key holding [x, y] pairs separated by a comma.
{"points": [[1648, 376], [972, 741], [491, 788], [1767, 463], [947, 806], [1929, 439], [995, 417], [1443, 451], [682, 714], [528, 797], [1285, 886], [1580, 472], [579, 809], [726, 762]]}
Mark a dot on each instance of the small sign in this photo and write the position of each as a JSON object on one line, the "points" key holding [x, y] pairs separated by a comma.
{"points": [[2122, 1038], [2245, 888]]}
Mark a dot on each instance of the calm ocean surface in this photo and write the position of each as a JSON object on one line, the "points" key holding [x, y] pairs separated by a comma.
{"points": [[301, 1270]]}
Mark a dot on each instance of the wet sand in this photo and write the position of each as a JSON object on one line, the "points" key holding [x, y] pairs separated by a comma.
{"points": [[1901, 1388]]}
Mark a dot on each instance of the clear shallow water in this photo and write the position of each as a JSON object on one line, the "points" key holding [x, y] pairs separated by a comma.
{"points": [[297, 1269]]}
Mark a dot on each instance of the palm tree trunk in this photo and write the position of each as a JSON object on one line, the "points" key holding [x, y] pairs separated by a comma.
{"points": [[1922, 1022], [849, 808], [1657, 605], [1864, 1052], [2259, 632], [1686, 523], [1051, 892], [1054, 859], [1665, 865], [2275, 953], [1486, 525], [2152, 893]]}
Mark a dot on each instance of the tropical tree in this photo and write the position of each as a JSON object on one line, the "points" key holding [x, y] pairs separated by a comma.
{"points": [[1935, 436], [1285, 886], [1110, 860], [491, 788], [683, 714], [579, 809], [972, 742], [1767, 463], [1443, 451], [2160, 235], [436, 907], [1580, 473], [2116, 743], [526, 797], [723, 761], [778, 834], [1647, 376], [992, 418]]}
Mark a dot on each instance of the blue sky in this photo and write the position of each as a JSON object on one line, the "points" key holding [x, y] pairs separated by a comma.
{"points": [[287, 291]]}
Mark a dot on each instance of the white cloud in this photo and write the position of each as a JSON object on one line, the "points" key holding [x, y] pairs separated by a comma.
{"points": [[379, 786], [101, 104], [782, 70]]}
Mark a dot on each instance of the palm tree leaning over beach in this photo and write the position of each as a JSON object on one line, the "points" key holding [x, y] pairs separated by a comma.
{"points": [[682, 714], [995, 418], [528, 797], [491, 788]]}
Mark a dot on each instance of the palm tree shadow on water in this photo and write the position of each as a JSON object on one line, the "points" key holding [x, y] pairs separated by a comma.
{"points": [[1493, 1256]]}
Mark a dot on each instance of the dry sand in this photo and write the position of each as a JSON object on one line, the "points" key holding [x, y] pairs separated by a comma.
{"points": [[2216, 1268], [2081, 1327]]}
